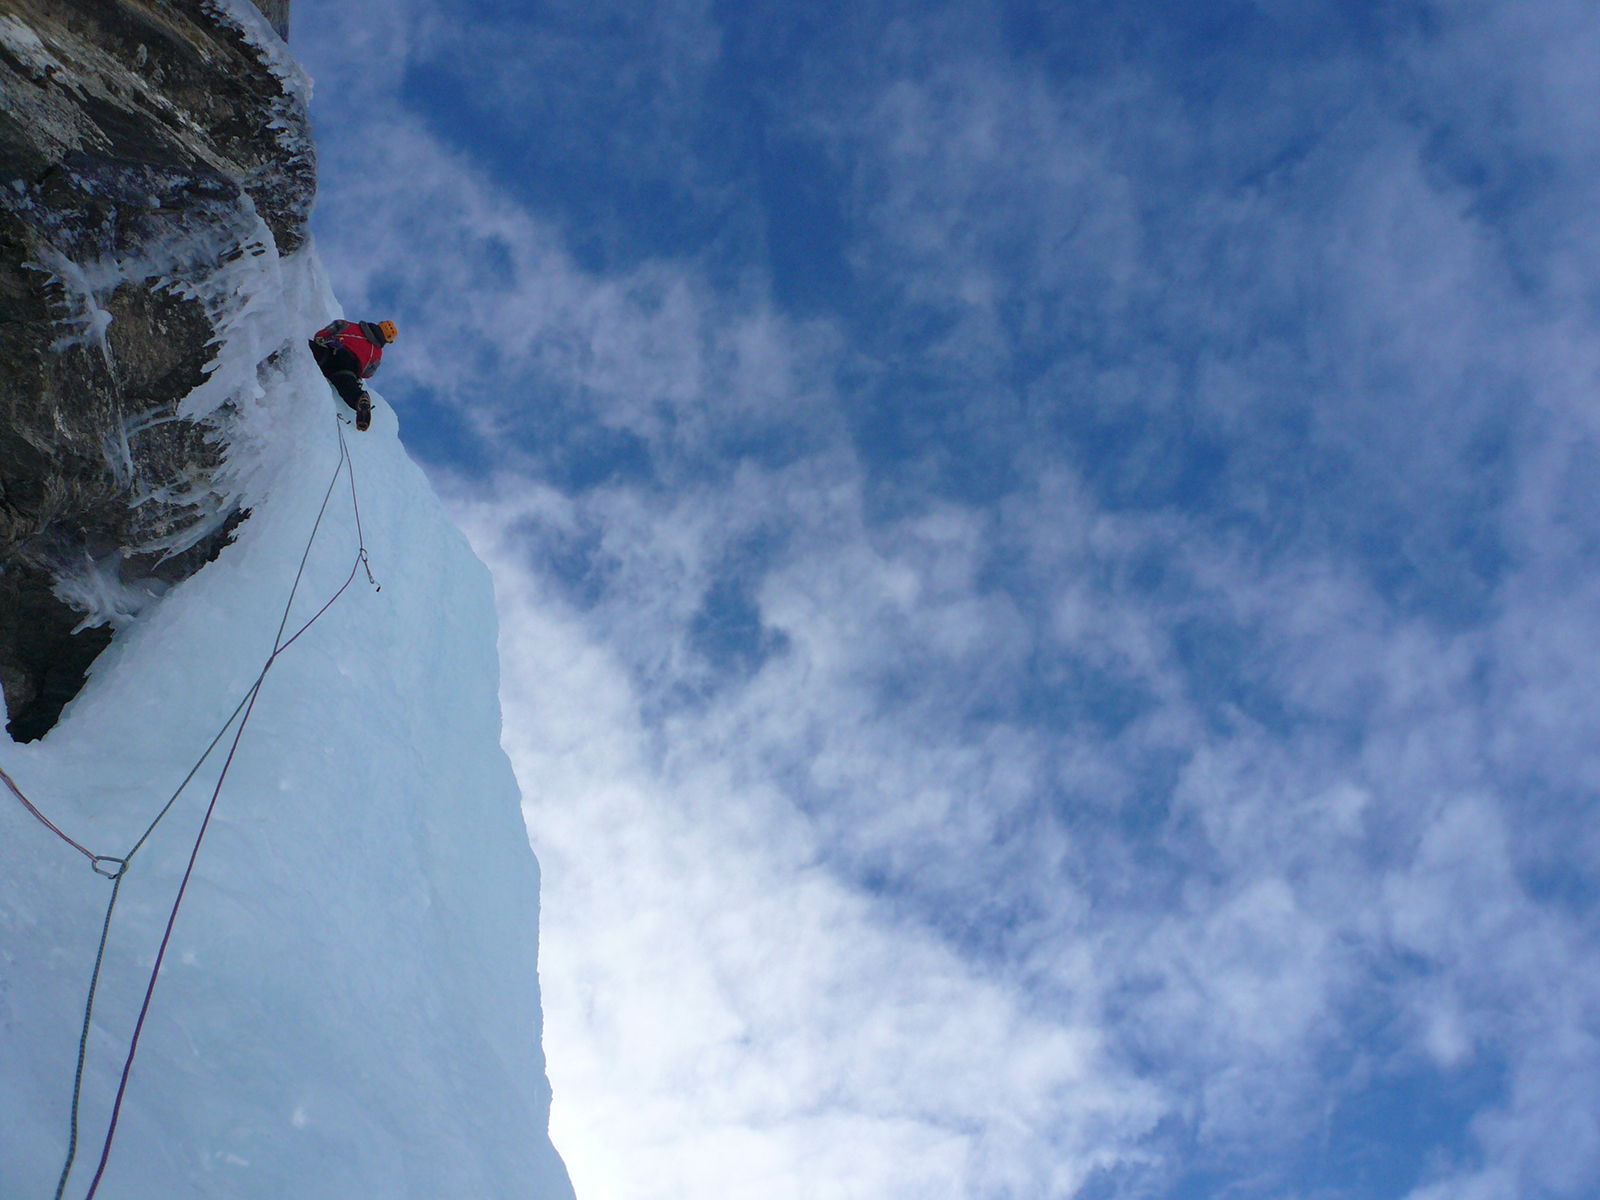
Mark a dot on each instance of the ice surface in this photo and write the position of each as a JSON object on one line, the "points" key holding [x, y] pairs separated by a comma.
{"points": [[349, 1006]]}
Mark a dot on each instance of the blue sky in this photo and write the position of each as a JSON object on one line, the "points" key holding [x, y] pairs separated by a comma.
{"points": [[1047, 572]]}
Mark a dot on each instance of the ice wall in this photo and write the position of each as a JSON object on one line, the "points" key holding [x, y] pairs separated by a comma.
{"points": [[349, 1006]]}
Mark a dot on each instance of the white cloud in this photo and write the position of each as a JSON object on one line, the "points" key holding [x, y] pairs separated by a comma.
{"points": [[1068, 830], [725, 1013]]}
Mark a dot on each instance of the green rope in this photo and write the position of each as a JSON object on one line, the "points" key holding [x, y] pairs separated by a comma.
{"points": [[83, 1037]]}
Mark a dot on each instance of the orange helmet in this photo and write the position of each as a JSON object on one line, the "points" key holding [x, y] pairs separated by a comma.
{"points": [[390, 332]]}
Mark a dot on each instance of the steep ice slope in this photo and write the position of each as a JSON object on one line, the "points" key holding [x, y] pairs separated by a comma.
{"points": [[349, 1005]]}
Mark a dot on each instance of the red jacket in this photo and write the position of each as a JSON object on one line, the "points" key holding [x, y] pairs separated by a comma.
{"points": [[361, 338]]}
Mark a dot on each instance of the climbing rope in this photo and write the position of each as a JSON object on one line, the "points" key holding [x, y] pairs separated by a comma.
{"points": [[44, 820], [99, 862]]}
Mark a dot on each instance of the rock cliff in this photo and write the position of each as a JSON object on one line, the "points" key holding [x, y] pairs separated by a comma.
{"points": [[148, 148]]}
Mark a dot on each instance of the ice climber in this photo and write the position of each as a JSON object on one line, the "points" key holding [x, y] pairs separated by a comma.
{"points": [[348, 352]]}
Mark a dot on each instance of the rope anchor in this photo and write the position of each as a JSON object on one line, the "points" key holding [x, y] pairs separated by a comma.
{"points": [[122, 865]]}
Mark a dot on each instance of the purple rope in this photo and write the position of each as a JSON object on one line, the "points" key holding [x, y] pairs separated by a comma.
{"points": [[144, 1009], [279, 646]]}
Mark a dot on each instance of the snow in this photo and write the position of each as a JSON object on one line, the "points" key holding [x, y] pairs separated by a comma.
{"points": [[259, 33], [349, 1005]]}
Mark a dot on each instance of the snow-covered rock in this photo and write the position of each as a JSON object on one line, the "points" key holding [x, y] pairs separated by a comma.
{"points": [[154, 157]]}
